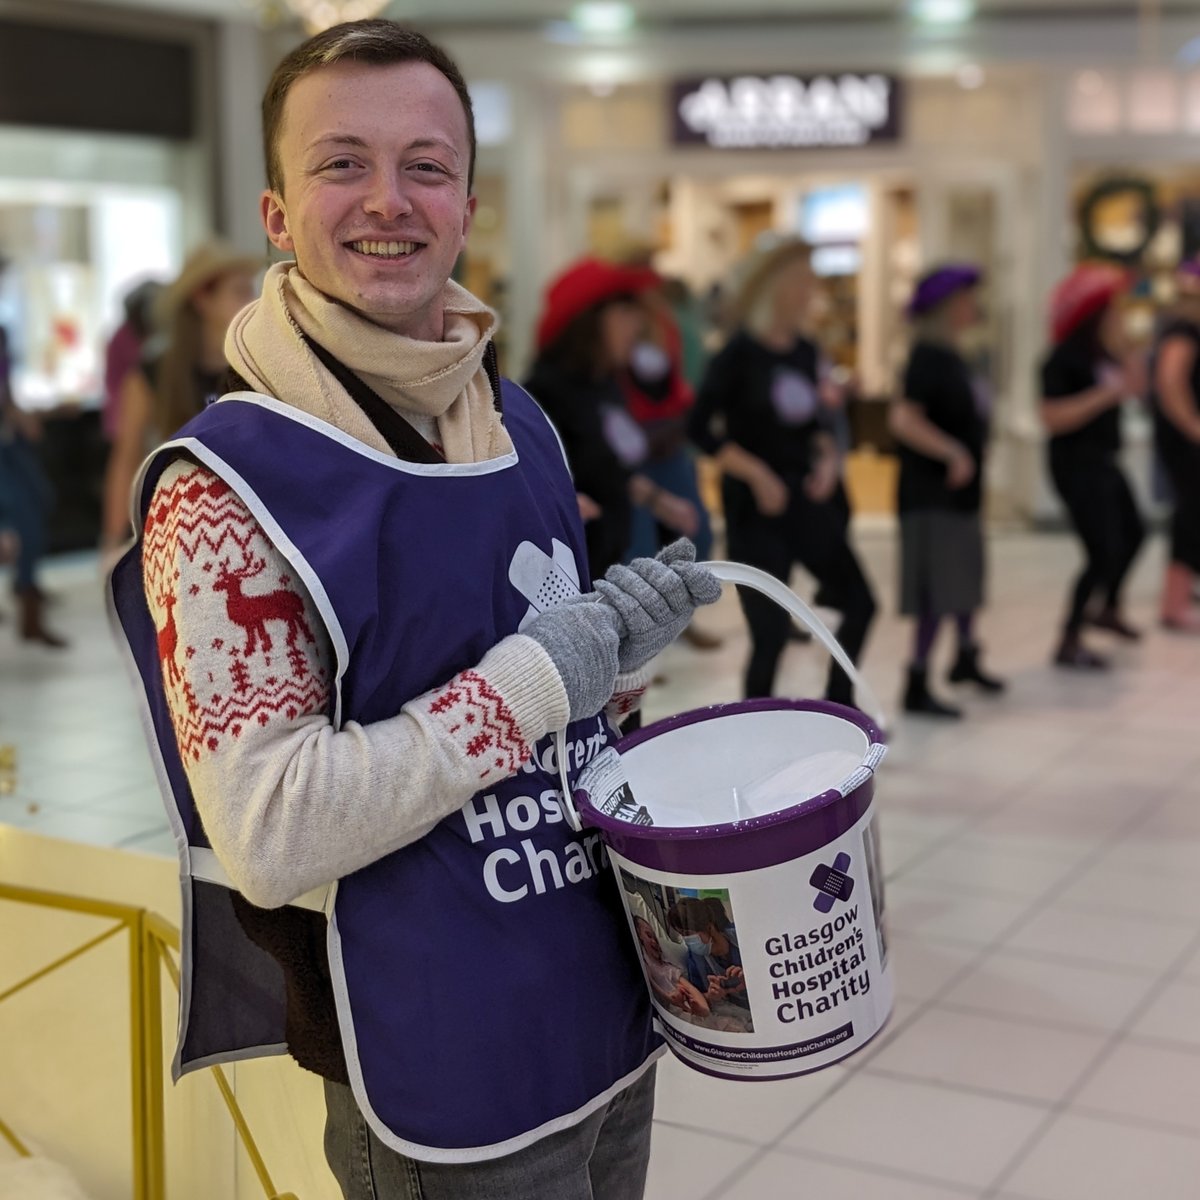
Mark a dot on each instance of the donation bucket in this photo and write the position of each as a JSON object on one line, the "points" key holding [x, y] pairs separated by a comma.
{"points": [[746, 850]]}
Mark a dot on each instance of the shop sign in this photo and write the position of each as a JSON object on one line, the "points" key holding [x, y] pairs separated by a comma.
{"points": [[778, 112]]}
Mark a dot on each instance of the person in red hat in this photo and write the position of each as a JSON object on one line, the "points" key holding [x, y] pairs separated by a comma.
{"points": [[592, 318], [1085, 379], [1176, 397], [940, 421]]}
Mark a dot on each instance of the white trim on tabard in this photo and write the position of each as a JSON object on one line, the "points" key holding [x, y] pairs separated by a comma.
{"points": [[439, 1154], [441, 469], [274, 531], [182, 849], [553, 428]]}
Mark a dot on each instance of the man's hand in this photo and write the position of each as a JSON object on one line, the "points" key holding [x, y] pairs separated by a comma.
{"points": [[581, 639], [653, 600]]}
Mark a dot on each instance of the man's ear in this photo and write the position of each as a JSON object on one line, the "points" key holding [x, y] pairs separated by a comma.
{"points": [[274, 219], [469, 216]]}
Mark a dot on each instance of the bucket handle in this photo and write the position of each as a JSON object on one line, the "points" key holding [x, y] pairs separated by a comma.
{"points": [[773, 589]]}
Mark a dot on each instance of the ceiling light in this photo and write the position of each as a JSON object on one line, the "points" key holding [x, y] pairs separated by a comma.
{"points": [[942, 12], [603, 18], [318, 15]]}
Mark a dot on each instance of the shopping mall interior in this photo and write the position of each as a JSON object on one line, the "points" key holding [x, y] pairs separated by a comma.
{"points": [[1032, 1032]]}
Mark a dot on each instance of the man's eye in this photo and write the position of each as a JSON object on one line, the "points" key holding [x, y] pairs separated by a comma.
{"points": [[431, 167], [340, 164]]}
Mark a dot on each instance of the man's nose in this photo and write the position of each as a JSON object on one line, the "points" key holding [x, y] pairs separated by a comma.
{"points": [[387, 197]]}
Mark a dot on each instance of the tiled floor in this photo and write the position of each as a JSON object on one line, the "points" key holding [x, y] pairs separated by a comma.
{"points": [[1044, 866]]}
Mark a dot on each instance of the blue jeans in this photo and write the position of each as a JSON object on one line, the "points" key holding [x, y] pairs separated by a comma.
{"points": [[676, 474], [25, 499], [604, 1157]]}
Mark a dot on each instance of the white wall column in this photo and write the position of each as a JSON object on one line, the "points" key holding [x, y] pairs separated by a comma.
{"points": [[240, 172]]}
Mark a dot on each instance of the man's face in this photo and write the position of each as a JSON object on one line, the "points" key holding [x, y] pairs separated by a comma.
{"points": [[374, 162]]}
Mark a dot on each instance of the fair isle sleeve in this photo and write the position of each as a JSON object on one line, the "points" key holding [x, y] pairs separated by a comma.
{"points": [[628, 693], [288, 802]]}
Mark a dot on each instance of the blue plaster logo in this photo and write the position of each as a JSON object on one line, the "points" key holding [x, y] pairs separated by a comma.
{"points": [[832, 883]]}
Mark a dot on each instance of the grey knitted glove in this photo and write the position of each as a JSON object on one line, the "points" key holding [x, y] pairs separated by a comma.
{"points": [[654, 599], [581, 640]]}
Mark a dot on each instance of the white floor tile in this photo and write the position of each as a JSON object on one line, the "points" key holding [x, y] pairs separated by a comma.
{"points": [[1083, 1158], [1111, 886], [1103, 939], [1041, 989], [1174, 1016], [685, 1165], [1145, 1081], [915, 1128], [978, 867], [782, 1175], [923, 968], [756, 1112], [922, 909], [1024, 1061]]}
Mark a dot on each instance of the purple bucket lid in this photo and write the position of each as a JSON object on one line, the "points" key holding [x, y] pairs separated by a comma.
{"points": [[736, 846]]}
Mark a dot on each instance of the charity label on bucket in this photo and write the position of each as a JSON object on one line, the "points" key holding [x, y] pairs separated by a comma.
{"points": [[809, 987], [745, 845]]}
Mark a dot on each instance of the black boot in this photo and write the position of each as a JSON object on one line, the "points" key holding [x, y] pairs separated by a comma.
{"points": [[918, 699], [33, 628], [966, 670]]}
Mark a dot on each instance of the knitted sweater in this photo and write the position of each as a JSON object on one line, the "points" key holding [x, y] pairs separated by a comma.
{"points": [[288, 802]]}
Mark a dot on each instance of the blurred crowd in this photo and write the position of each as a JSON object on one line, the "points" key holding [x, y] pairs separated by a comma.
{"points": [[672, 411]]}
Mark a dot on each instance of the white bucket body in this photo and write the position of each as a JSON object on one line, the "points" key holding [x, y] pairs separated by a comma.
{"points": [[747, 854]]}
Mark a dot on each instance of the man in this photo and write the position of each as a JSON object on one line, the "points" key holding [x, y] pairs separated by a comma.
{"points": [[345, 609]]}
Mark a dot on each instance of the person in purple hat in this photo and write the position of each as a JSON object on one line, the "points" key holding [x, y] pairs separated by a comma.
{"points": [[940, 420]]}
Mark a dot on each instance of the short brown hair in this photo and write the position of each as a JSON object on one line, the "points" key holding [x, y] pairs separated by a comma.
{"points": [[379, 42]]}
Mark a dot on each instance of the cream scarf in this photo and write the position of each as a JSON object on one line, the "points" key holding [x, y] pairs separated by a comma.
{"points": [[444, 381]]}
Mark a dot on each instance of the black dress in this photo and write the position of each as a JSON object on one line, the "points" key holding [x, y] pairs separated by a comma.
{"points": [[766, 402], [941, 530], [584, 411], [1087, 476], [1181, 458]]}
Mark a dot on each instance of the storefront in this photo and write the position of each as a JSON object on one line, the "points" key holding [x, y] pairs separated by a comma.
{"points": [[883, 175], [102, 185]]}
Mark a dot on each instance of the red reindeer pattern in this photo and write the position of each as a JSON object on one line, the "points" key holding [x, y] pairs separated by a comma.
{"points": [[253, 612], [168, 640]]}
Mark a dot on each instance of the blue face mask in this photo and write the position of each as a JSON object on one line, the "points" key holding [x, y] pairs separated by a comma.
{"points": [[700, 946]]}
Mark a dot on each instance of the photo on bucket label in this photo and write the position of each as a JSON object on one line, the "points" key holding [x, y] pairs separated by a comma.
{"points": [[687, 938]]}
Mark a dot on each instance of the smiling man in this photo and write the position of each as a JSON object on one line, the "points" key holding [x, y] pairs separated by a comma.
{"points": [[346, 613]]}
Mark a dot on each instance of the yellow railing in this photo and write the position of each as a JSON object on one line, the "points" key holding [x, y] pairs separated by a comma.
{"points": [[152, 945]]}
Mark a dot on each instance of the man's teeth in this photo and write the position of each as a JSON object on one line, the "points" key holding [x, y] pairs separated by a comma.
{"points": [[384, 249]]}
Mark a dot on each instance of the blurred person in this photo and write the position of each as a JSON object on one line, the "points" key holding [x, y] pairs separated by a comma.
{"points": [[1175, 391], [26, 497], [350, 608], [660, 399], [591, 322], [166, 390], [1085, 380], [126, 349], [714, 961], [759, 415], [940, 421]]}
